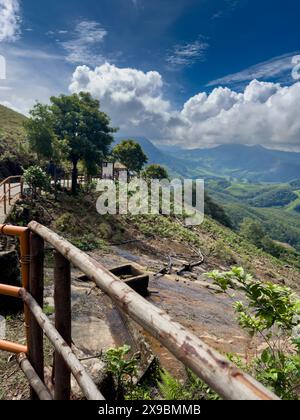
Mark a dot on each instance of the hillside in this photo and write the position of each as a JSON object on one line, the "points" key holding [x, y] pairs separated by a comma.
{"points": [[231, 161], [253, 163], [12, 132], [14, 152], [273, 205]]}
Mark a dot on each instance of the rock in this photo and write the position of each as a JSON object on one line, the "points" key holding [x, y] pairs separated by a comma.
{"points": [[10, 274], [91, 334], [96, 369]]}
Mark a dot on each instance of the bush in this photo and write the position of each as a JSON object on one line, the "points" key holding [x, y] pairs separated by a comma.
{"points": [[37, 180], [272, 313]]}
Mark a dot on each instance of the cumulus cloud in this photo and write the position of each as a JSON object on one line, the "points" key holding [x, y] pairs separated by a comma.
{"points": [[9, 20], [131, 97], [264, 113]]}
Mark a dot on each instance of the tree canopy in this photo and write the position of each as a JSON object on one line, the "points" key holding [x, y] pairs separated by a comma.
{"points": [[155, 171], [130, 154], [77, 121]]}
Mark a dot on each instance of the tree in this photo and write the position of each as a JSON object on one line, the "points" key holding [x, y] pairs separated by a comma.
{"points": [[253, 231], [39, 131], [155, 172], [37, 180], [74, 124], [78, 119], [130, 154]]}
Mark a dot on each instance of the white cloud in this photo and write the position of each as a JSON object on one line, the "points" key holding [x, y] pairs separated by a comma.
{"points": [[277, 67], [9, 20], [81, 48], [131, 97], [264, 113], [183, 55]]}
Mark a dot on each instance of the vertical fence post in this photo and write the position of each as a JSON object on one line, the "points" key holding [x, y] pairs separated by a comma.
{"points": [[36, 288], [62, 299], [21, 187], [4, 195], [9, 192]]}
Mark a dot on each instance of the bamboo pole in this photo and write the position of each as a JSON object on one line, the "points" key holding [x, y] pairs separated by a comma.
{"points": [[214, 369], [85, 382], [36, 287], [12, 347], [11, 291], [34, 380], [23, 234], [62, 299]]}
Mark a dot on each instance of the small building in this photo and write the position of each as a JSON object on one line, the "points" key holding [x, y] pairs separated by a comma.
{"points": [[113, 170], [119, 170], [107, 170]]}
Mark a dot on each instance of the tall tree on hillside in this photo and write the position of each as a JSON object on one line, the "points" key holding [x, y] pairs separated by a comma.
{"points": [[75, 122], [130, 154], [39, 131], [78, 119], [155, 171]]}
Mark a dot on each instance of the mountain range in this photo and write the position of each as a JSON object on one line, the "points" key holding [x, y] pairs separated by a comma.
{"points": [[231, 161]]}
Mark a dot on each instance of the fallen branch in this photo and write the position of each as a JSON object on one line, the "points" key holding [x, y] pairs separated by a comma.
{"points": [[165, 270], [188, 267]]}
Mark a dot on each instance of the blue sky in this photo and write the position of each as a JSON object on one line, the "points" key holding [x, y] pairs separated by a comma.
{"points": [[175, 71]]}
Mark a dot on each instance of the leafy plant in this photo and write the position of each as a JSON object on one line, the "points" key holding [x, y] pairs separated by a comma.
{"points": [[170, 388], [37, 180], [272, 312], [192, 389], [123, 368]]}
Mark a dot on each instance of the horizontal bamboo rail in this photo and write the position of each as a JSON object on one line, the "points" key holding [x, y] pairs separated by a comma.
{"points": [[85, 382], [9, 290], [215, 370], [33, 379], [12, 347]]}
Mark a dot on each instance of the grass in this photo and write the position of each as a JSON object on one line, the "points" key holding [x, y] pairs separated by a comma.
{"points": [[12, 132]]}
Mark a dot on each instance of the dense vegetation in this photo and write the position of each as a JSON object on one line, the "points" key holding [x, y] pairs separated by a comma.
{"points": [[245, 200]]}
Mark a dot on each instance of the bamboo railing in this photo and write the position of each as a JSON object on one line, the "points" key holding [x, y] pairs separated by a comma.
{"points": [[214, 369], [7, 186]]}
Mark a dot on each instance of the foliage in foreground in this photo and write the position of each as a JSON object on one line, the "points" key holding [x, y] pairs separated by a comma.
{"points": [[272, 312], [160, 386]]}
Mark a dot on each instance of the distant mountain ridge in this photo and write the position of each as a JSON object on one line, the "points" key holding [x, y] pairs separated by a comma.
{"points": [[234, 161]]}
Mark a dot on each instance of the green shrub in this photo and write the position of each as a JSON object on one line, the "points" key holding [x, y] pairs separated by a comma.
{"points": [[272, 313], [37, 180]]}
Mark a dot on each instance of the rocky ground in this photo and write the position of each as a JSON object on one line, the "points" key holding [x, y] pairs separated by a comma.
{"points": [[155, 245]]}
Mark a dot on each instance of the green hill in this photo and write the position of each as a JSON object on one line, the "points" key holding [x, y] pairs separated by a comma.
{"points": [[273, 205], [14, 152], [12, 132]]}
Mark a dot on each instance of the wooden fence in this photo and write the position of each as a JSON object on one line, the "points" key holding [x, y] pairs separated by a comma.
{"points": [[10, 188], [214, 369]]}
